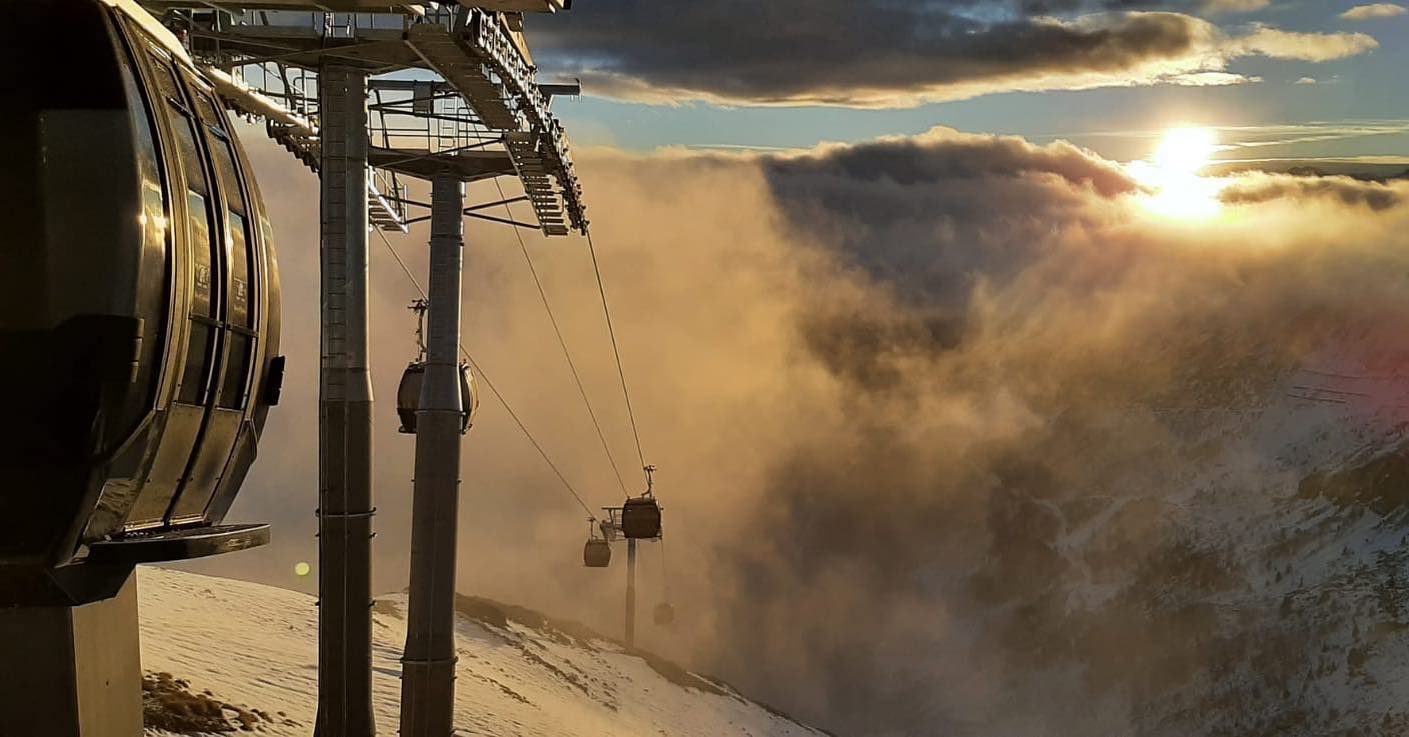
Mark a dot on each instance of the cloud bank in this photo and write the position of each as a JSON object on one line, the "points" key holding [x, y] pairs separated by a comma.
{"points": [[1258, 188], [891, 387], [875, 53]]}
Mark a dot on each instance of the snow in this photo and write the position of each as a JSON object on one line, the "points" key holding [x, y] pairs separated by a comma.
{"points": [[1235, 564], [255, 647]]}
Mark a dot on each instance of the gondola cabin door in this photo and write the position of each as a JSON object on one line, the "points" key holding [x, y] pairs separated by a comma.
{"points": [[227, 381], [215, 308]]}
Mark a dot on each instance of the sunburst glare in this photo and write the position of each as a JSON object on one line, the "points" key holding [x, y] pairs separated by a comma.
{"points": [[1176, 190]]}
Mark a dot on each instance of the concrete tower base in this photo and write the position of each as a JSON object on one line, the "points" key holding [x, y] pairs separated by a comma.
{"points": [[72, 671]]}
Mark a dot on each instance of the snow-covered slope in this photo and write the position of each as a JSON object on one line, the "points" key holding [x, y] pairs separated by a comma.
{"points": [[1245, 577], [227, 652]]}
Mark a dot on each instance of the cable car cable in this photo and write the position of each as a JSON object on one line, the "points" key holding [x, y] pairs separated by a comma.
{"points": [[616, 351], [567, 355], [526, 433], [492, 389]]}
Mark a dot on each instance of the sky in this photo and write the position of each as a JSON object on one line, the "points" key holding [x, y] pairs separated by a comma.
{"points": [[727, 74]]}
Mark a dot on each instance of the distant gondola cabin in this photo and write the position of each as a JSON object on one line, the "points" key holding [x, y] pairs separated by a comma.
{"points": [[640, 518], [597, 553], [408, 396]]}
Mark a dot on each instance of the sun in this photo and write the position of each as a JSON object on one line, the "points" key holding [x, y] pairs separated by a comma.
{"points": [[1185, 150], [1171, 175]]}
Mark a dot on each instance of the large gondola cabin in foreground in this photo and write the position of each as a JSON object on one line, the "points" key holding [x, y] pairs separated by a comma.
{"points": [[139, 304]]}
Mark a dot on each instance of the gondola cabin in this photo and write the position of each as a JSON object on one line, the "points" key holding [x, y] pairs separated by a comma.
{"points": [[139, 299], [408, 396], [597, 553], [640, 518]]}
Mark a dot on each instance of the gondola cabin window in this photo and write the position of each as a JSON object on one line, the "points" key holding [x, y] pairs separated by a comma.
{"points": [[155, 276], [198, 209], [208, 251], [243, 270]]}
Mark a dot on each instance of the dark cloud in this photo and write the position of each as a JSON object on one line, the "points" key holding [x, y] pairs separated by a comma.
{"points": [[911, 210], [882, 52]]}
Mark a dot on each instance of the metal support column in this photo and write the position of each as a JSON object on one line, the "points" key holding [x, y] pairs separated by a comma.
{"points": [[631, 592], [72, 671], [344, 415], [428, 662]]}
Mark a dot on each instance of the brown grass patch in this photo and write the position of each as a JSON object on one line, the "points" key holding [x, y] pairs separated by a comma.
{"points": [[169, 704]]}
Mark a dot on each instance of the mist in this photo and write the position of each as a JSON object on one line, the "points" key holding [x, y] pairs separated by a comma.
{"points": [[932, 414]]}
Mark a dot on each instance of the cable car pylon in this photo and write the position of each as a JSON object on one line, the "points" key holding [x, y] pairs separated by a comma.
{"points": [[345, 413], [428, 661], [639, 518]]}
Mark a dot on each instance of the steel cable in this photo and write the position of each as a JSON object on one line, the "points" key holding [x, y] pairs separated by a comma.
{"points": [[562, 343], [493, 389], [616, 351]]}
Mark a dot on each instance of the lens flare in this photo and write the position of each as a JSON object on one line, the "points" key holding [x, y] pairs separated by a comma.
{"points": [[302, 569]]}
